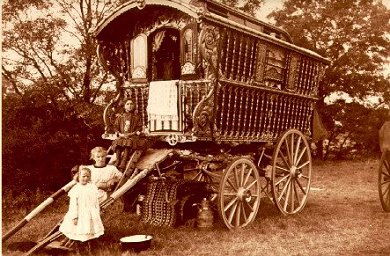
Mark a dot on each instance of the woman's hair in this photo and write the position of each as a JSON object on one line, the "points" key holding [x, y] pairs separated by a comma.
{"points": [[126, 99], [96, 150]]}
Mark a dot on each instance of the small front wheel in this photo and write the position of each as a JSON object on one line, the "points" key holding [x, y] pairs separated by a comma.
{"points": [[239, 193]]}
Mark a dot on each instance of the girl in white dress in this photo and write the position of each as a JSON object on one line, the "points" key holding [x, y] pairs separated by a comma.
{"points": [[82, 222]]}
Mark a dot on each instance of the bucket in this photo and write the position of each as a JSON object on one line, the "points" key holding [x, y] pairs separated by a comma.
{"points": [[136, 243]]}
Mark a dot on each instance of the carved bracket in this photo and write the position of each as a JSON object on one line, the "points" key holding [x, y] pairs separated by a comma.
{"points": [[204, 116], [208, 42]]}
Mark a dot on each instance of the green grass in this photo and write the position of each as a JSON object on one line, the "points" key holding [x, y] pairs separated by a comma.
{"points": [[343, 216]]}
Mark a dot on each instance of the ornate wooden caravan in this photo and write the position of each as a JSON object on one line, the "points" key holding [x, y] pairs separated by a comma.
{"points": [[232, 78], [228, 100], [223, 87]]}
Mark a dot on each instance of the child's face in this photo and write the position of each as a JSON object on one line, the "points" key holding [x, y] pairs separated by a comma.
{"points": [[85, 177], [129, 105], [100, 159]]}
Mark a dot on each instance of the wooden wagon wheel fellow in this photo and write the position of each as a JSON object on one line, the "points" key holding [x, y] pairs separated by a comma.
{"points": [[291, 172], [239, 193], [384, 180]]}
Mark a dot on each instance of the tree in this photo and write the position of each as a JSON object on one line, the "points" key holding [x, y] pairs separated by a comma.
{"points": [[354, 35], [51, 88]]}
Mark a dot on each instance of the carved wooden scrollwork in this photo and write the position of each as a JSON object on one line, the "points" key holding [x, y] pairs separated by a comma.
{"points": [[208, 41], [109, 114], [204, 116], [292, 74]]}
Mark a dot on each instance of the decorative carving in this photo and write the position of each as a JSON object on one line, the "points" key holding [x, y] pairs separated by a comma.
{"points": [[291, 84], [188, 68], [261, 53], [109, 115], [141, 4], [208, 41], [139, 72], [204, 116]]}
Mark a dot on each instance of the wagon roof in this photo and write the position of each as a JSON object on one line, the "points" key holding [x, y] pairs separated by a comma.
{"points": [[206, 10]]}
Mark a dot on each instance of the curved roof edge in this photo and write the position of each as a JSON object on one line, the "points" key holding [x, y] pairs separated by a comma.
{"points": [[177, 4]]}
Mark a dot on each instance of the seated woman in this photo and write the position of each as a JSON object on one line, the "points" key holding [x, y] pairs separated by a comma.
{"points": [[128, 126]]}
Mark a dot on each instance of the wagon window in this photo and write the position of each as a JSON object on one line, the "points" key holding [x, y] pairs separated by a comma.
{"points": [[188, 39], [139, 57]]}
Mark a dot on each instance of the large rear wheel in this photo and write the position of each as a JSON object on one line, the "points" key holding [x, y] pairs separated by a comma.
{"points": [[239, 193], [384, 180], [291, 172]]}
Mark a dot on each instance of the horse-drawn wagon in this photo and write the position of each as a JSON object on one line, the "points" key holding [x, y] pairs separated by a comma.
{"points": [[226, 91], [228, 100]]}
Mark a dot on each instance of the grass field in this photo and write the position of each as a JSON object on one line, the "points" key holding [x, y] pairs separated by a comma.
{"points": [[343, 216]]}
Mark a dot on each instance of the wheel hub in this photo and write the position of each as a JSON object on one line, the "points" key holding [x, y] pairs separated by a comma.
{"points": [[243, 194], [294, 172]]}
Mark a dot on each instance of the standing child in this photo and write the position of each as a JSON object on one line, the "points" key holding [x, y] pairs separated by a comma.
{"points": [[82, 222], [102, 175]]}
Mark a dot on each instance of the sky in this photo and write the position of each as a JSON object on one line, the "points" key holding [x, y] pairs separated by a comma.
{"points": [[268, 7]]}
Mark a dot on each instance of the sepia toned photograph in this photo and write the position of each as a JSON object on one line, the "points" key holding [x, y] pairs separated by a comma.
{"points": [[195, 127]]}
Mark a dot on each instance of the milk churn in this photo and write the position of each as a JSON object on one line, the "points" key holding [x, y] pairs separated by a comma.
{"points": [[205, 216], [139, 205]]}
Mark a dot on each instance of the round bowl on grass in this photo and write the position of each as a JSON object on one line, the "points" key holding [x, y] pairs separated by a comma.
{"points": [[136, 243]]}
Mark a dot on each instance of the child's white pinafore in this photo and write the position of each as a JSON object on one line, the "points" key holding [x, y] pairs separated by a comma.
{"points": [[83, 205]]}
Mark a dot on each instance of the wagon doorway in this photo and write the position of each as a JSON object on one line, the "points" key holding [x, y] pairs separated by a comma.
{"points": [[165, 51]]}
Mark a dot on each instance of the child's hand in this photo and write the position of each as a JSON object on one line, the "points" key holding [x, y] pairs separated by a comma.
{"points": [[110, 184], [75, 221]]}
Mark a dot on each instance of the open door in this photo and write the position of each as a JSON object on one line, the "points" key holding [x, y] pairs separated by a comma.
{"points": [[165, 54]]}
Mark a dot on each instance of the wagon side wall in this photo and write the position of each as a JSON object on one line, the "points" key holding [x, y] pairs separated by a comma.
{"points": [[261, 87]]}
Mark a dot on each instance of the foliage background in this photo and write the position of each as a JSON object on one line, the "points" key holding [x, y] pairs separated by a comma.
{"points": [[54, 91]]}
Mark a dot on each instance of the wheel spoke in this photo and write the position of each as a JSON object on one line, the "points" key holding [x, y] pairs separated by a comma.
{"points": [[283, 169], [282, 179], [231, 184], [288, 164], [248, 205], [247, 177], [230, 194], [301, 187], [232, 212], [251, 184], [238, 214], [197, 176], [387, 165], [242, 176], [292, 188], [230, 204], [297, 150], [296, 192], [284, 188], [244, 212], [386, 191], [288, 151], [236, 178], [303, 165], [287, 196], [292, 148], [300, 155]]}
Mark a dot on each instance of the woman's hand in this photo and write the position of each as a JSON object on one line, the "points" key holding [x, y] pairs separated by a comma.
{"points": [[75, 221]]}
